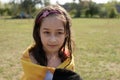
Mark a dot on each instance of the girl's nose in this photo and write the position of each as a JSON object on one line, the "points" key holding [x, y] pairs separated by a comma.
{"points": [[53, 39]]}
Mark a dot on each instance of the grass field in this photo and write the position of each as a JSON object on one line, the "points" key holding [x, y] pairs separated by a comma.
{"points": [[97, 51]]}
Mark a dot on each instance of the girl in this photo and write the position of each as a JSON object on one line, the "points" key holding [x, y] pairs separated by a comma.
{"points": [[52, 48]]}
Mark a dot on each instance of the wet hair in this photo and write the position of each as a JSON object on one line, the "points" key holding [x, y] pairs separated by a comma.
{"points": [[37, 51]]}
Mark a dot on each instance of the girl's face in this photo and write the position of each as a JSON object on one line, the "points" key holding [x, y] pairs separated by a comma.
{"points": [[52, 34]]}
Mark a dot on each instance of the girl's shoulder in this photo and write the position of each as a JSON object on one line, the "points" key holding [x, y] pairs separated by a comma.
{"points": [[25, 53]]}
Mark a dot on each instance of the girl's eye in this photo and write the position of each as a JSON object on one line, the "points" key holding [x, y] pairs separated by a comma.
{"points": [[46, 32], [60, 33]]}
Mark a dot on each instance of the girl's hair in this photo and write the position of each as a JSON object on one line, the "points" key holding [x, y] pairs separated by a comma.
{"points": [[37, 51]]}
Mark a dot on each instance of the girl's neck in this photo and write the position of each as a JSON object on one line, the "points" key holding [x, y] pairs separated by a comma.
{"points": [[53, 60], [52, 55]]}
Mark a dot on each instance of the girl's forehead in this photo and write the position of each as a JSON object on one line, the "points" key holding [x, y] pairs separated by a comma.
{"points": [[57, 16], [53, 22]]}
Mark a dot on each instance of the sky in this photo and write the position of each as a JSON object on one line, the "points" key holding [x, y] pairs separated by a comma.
{"points": [[63, 1]]}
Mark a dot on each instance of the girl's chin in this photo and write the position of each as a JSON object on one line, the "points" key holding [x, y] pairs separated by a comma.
{"points": [[52, 50]]}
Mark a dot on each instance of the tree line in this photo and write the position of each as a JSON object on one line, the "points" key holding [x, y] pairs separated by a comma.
{"points": [[84, 8]]}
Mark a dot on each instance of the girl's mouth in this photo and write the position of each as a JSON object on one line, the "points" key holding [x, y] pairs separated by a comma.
{"points": [[52, 46]]}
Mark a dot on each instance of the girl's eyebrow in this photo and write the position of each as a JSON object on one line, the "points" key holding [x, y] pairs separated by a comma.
{"points": [[60, 29], [56, 29], [45, 28]]}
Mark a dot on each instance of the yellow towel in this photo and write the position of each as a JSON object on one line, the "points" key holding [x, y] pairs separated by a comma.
{"points": [[37, 72]]}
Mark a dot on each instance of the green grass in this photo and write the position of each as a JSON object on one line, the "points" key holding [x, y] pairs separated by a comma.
{"points": [[97, 51], [97, 48], [15, 37]]}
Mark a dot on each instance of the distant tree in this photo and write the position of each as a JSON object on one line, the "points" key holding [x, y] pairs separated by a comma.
{"points": [[5, 9], [113, 13], [111, 9], [93, 9], [14, 8], [78, 9], [103, 12], [46, 2], [28, 6], [1, 9]]}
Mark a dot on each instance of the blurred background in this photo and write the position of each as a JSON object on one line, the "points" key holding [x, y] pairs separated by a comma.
{"points": [[76, 8]]}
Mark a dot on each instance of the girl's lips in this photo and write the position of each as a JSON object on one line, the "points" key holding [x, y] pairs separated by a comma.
{"points": [[52, 46]]}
